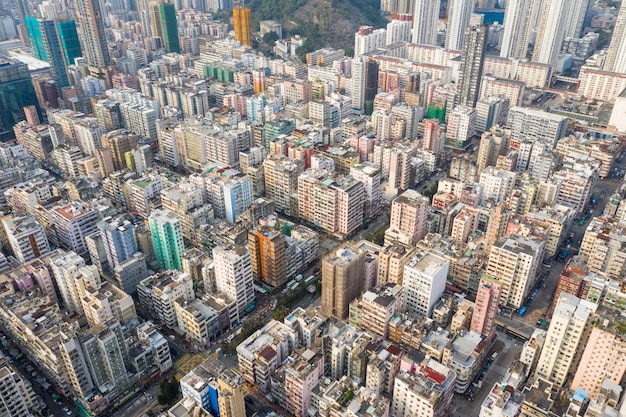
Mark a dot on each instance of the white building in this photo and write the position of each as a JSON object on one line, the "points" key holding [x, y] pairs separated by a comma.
{"points": [[459, 12], [88, 135], [27, 238], [616, 55], [369, 175], [532, 124], [516, 29], [497, 184], [427, 392], [73, 222], [514, 261], [233, 274], [461, 127], [398, 31], [618, 114], [368, 39], [551, 31], [569, 324], [12, 402], [425, 18], [424, 282]]}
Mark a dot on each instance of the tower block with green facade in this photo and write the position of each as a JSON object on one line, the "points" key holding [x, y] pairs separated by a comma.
{"points": [[167, 239], [164, 25]]}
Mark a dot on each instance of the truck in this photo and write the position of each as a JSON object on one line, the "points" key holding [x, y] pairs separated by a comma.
{"points": [[522, 311]]}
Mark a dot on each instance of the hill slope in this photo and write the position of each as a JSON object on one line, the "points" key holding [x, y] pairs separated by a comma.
{"points": [[322, 22]]}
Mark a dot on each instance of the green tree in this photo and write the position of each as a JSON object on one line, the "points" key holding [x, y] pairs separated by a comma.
{"points": [[270, 38], [280, 313], [169, 391]]}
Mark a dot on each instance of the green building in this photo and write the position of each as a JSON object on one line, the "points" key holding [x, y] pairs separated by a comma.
{"points": [[16, 92], [437, 111], [70, 43], [167, 239], [221, 74], [275, 128], [56, 43], [164, 25]]}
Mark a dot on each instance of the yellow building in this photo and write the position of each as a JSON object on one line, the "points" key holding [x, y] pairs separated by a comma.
{"points": [[243, 29]]}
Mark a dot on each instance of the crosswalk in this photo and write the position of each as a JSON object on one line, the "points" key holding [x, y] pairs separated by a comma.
{"points": [[188, 361], [182, 360]]}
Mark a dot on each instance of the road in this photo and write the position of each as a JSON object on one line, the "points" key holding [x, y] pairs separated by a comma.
{"points": [[56, 409], [508, 350], [140, 404], [540, 305]]}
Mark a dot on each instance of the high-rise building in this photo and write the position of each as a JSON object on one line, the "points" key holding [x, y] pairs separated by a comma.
{"points": [[603, 355], [119, 240], [434, 138], [486, 307], [408, 217], [91, 32], [551, 31], [568, 328], [425, 18], [167, 239], [491, 111], [243, 25], [514, 262], [27, 238], [368, 39], [12, 402], [577, 12], [516, 29], [73, 222], [493, 143], [281, 182], [474, 49], [459, 12], [88, 135], [424, 282], [461, 127], [497, 184], [119, 142], [425, 392], [398, 31], [231, 394], [16, 92], [333, 202], [616, 54], [268, 252], [233, 274], [71, 274], [164, 25], [342, 280], [106, 353], [536, 125], [55, 43]]}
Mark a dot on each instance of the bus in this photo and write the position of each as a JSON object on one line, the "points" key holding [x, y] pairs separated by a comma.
{"points": [[260, 290], [309, 279]]}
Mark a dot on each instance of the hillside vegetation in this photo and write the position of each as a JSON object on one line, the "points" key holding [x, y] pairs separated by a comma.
{"points": [[323, 22]]}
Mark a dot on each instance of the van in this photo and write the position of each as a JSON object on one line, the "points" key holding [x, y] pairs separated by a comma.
{"points": [[494, 355]]}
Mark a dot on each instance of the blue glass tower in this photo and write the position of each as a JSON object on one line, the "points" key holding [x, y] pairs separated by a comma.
{"points": [[56, 43], [16, 92]]}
